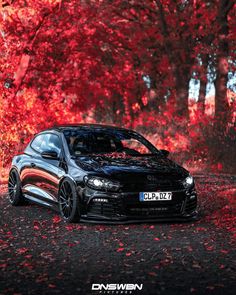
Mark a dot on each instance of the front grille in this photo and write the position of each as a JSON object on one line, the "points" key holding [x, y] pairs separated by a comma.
{"points": [[151, 209], [112, 208], [191, 205]]}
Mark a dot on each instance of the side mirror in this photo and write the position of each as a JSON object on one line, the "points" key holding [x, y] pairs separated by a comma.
{"points": [[51, 155], [165, 153]]}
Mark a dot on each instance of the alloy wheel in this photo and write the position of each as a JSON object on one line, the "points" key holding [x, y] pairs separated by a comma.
{"points": [[66, 199], [12, 186]]}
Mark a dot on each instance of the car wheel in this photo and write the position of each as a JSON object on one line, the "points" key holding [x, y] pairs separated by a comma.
{"points": [[69, 202], [14, 189]]}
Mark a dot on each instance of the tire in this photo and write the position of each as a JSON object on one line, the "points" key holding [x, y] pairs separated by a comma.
{"points": [[16, 197], [68, 201]]}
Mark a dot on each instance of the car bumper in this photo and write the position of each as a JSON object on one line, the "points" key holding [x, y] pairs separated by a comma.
{"points": [[129, 220], [122, 208]]}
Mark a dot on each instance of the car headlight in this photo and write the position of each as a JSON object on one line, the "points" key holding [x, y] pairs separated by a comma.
{"points": [[188, 182], [101, 183]]}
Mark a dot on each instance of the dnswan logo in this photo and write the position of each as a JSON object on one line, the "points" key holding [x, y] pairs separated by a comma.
{"points": [[123, 288]]}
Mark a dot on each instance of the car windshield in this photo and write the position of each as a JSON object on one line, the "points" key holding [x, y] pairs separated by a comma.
{"points": [[98, 141]]}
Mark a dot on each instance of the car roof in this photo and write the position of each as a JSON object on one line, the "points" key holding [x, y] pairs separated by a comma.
{"points": [[62, 128]]}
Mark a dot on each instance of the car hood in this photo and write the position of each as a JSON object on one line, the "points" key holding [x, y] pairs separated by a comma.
{"points": [[114, 166]]}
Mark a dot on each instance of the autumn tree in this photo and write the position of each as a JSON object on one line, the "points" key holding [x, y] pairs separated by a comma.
{"points": [[224, 53], [122, 62]]}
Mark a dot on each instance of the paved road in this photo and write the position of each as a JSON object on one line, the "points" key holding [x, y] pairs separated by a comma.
{"points": [[43, 255]]}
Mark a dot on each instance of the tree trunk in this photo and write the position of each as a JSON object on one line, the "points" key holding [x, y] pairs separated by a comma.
{"points": [[118, 109], [203, 83], [182, 87], [223, 142], [26, 57], [221, 103], [202, 96], [180, 66]]}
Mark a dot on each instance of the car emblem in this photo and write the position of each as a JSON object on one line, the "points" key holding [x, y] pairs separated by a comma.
{"points": [[151, 178]]}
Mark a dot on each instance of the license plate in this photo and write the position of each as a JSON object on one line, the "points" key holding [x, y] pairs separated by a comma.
{"points": [[155, 196]]}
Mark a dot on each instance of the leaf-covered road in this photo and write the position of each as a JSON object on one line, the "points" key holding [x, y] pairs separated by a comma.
{"points": [[40, 254]]}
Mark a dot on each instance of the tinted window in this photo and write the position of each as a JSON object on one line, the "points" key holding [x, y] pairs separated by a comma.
{"points": [[37, 142], [84, 142], [46, 142], [54, 143], [44, 145]]}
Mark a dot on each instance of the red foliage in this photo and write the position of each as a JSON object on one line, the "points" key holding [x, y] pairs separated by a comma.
{"points": [[84, 61]]}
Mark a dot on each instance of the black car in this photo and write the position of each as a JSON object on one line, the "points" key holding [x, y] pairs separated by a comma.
{"points": [[101, 173]]}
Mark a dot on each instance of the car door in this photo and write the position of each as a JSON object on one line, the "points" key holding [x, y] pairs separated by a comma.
{"points": [[28, 171], [48, 171], [40, 177]]}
